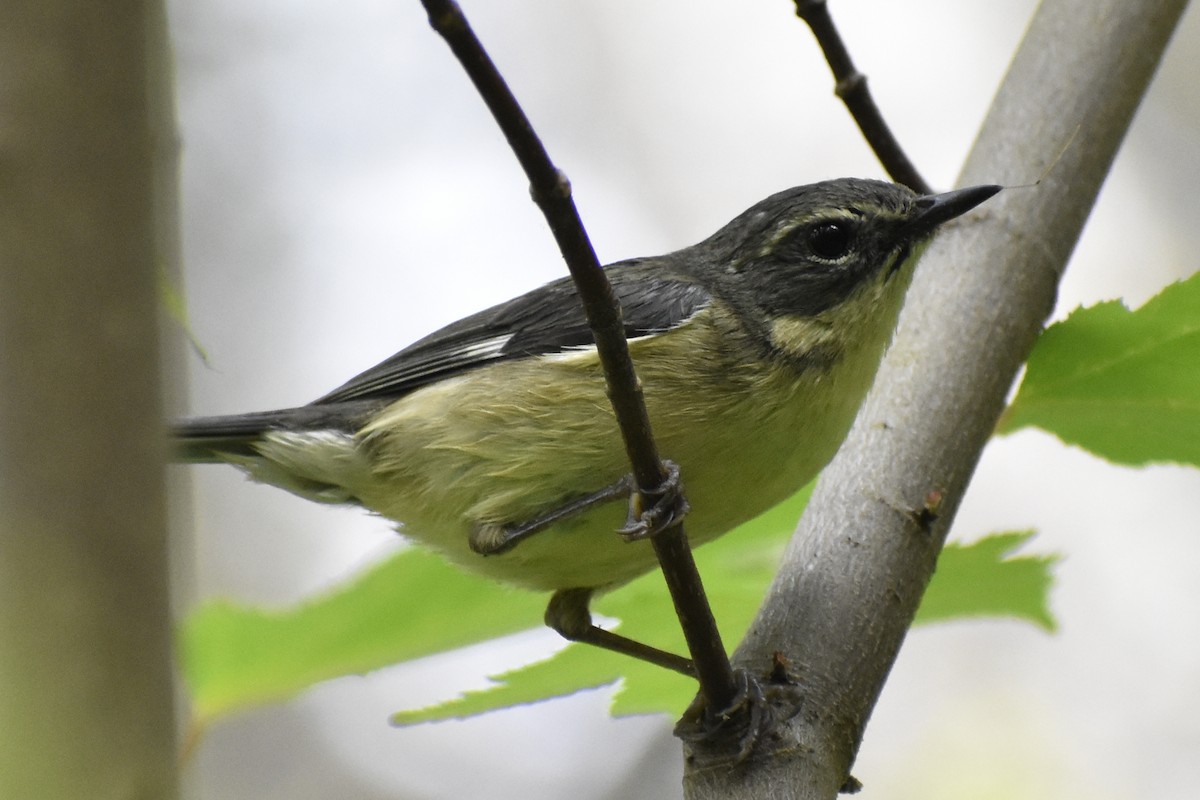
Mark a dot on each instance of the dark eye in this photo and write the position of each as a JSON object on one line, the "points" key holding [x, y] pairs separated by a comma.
{"points": [[831, 240]]}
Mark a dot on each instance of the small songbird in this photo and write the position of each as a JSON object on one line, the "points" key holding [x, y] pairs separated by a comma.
{"points": [[492, 441]]}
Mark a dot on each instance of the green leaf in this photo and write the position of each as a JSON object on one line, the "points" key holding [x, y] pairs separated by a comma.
{"points": [[975, 580], [235, 657], [981, 580], [1123, 384]]}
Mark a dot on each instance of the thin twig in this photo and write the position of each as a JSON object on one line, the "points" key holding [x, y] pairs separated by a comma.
{"points": [[552, 193], [851, 86]]}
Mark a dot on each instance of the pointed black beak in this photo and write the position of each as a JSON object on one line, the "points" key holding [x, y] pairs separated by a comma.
{"points": [[934, 209]]}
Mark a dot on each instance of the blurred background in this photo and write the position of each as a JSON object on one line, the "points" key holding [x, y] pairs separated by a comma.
{"points": [[345, 192]]}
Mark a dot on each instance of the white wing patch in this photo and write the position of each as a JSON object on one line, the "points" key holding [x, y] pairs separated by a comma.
{"points": [[485, 349], [583, 353], [586, 353], [466, 354]]}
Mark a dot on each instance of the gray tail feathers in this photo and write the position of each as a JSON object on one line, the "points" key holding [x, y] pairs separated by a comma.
{"points": [[213, 439]]}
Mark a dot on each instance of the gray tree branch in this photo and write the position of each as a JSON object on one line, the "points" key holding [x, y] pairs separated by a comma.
{"points": [[858, 564], [86, 694]]}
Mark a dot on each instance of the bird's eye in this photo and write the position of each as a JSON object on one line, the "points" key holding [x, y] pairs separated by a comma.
{"points": [[831, 240]]}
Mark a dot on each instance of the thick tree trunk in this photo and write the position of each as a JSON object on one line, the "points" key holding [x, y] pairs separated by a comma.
{"points": [[86, 228]]}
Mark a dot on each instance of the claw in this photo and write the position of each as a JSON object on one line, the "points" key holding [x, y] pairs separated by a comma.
{"points": [[733, 733], [667, 507]]}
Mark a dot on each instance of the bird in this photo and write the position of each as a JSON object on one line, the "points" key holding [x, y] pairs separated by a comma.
{"points": [[492, 441]]}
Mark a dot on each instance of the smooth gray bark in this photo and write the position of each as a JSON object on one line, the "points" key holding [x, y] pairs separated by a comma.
{"points": [[86, 147], [855, 571]]}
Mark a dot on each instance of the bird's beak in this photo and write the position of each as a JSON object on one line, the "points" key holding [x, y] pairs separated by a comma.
{"points": [[934, 209]]}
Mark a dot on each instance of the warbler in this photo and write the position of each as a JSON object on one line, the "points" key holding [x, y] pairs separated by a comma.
{"points": [[492, 440]]}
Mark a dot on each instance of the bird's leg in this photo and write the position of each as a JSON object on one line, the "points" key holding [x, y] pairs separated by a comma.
{"points": [[668, 508], [491, 540], [568, 614]]}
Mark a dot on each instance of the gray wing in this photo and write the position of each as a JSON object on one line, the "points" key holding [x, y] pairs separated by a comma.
{"points": [[547, 320]]}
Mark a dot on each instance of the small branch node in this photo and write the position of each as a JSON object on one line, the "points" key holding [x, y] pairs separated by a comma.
{"points": [[930, 510], [805, 9], [447, 19], [854, 82]]}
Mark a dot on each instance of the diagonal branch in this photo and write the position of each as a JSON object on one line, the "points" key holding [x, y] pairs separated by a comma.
{"points": [[855, 571], [552, 193], [851, 86]]}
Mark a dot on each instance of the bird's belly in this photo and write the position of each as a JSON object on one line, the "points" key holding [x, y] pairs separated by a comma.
{"points": [[442, 471]]}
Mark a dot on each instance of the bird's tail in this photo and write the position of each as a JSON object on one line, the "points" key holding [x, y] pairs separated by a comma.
{"points": [[206, 440], [203, 440]]}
